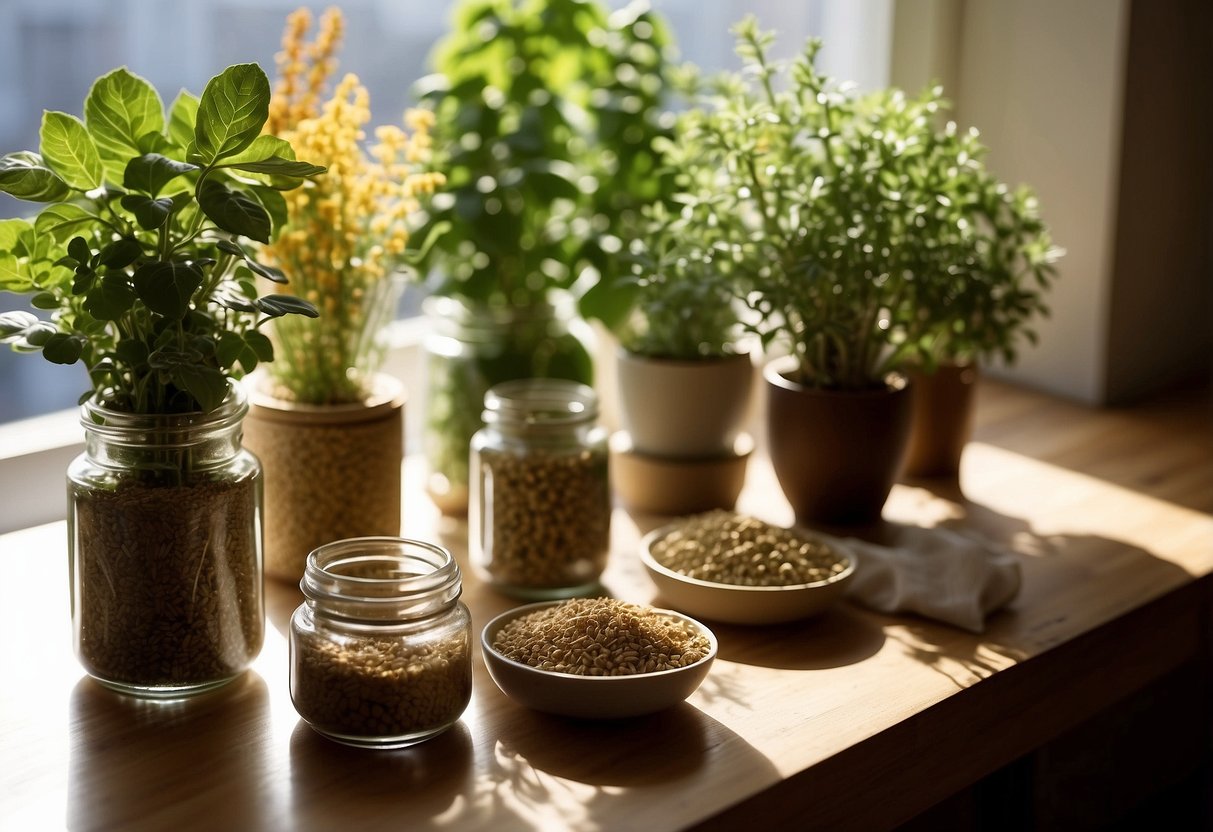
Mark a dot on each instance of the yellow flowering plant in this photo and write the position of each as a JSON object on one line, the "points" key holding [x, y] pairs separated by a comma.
{"points": [[346, 239]]}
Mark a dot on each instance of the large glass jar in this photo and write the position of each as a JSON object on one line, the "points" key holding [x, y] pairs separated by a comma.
{"points": [[165, 539], [381, 649], [540, 514], [475, 346]]}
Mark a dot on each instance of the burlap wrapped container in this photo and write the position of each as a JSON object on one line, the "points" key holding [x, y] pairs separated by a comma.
{"points": [[331, 471]]}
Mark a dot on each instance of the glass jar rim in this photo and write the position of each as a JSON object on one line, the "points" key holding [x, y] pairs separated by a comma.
{"points": [[540, 402], [420, 579], [97, 418]]}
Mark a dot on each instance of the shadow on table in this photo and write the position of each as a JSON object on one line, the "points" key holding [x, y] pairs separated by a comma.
{"points": [[146, 764], [835, 638], [578, 768], [428, 779], [1079, 559]]}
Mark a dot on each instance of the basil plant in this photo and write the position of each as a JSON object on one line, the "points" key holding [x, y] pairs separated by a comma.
{"points": [[138, 254]]}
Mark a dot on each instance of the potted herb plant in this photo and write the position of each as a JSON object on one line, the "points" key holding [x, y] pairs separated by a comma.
{"points": [[546, 113], [832, 206], [326, 424], [684, 388], [140, 257], [999, 264]]}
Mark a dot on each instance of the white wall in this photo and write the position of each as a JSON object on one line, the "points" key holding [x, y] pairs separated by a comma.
{"points": [[1043, 80]]}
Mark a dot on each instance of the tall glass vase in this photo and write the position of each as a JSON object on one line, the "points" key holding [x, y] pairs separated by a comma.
{"points": [[165, 541], [476, 346]]}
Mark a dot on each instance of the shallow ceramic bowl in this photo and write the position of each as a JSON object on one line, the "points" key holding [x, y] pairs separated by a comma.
{"points": [[591, 697], [744, 604]]}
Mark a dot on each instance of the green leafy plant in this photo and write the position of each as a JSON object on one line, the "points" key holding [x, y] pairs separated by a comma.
{"points": [[855, 229], [138, 255], [547, 112], [684, 306]]}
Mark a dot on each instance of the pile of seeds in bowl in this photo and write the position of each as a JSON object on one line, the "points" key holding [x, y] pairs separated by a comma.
{"points": [[601, 637], [727, 548]]}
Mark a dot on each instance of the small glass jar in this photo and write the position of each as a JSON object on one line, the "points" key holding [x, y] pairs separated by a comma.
{"points": [[474, 346], [164, 532], [381, 650], [540, 514]]}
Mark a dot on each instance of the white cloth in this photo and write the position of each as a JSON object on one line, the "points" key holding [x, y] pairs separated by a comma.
{"points": [[937, 573]]}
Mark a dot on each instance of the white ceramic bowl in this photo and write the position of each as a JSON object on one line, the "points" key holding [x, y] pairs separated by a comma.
{"points": [[744, 604], [591, 697]]}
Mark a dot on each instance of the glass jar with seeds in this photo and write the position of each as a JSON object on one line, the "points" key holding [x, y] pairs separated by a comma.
{"points": [[165, 540], [381, 647], [540, 514]]}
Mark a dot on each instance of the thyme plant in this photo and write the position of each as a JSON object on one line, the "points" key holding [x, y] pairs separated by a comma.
{"points": [[860, 236]]}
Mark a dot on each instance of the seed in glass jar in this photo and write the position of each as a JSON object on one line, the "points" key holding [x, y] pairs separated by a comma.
{"points": [[601, 637], [380, 688], [546, 517], [728, 548]]}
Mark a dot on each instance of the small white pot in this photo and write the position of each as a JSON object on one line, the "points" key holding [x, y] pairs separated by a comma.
{"points": [[684, 409]]}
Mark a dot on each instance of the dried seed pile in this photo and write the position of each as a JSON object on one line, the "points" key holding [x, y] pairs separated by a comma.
{"points": [[546, 517], [601, 637], [377, 687], [169, 587], [727, 548]]}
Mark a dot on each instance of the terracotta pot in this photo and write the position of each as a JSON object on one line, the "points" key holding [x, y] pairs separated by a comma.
{"points": [[332, 472], [942, 405], [670, 485], [835, 454], [684, 409]]}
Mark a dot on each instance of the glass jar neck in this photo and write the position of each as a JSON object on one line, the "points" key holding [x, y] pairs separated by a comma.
{"points": [[475, 321], [381, 580], [539, 408], [198, 441]]}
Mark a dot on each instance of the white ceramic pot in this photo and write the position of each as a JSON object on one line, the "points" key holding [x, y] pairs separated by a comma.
{"points": [[684, 408]]}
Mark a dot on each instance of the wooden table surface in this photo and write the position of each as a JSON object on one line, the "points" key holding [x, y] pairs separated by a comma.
{"points": [[851, 720]]}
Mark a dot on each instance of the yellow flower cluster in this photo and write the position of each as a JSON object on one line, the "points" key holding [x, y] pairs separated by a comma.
{"points": [[347, 229]]}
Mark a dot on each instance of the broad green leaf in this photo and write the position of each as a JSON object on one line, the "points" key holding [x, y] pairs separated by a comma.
{"points": [[121, 108], [274, 204], [110, 298], [149, 213], [44, 300], [15, 276], [131, 352], [261, 345], [62, 348], [24, 175], [120, 253], [69, 150], [234, 211], [182, 116], [15, 324], [233, 348], [78, 249], [272, 155], [150, 172], [232, 248], [268, 272], [11, 231], [275, 306], [60, 221], [207, 385], [167, 287], [233, 108]]}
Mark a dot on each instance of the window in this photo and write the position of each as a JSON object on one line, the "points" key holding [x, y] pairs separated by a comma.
{"points": [[387, 43]]}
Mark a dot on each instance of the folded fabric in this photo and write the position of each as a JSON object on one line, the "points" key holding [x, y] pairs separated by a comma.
{"points": [[937, 573]]}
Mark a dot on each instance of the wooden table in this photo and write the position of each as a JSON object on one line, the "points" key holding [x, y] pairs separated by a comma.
{"points": [[853, 720]]}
